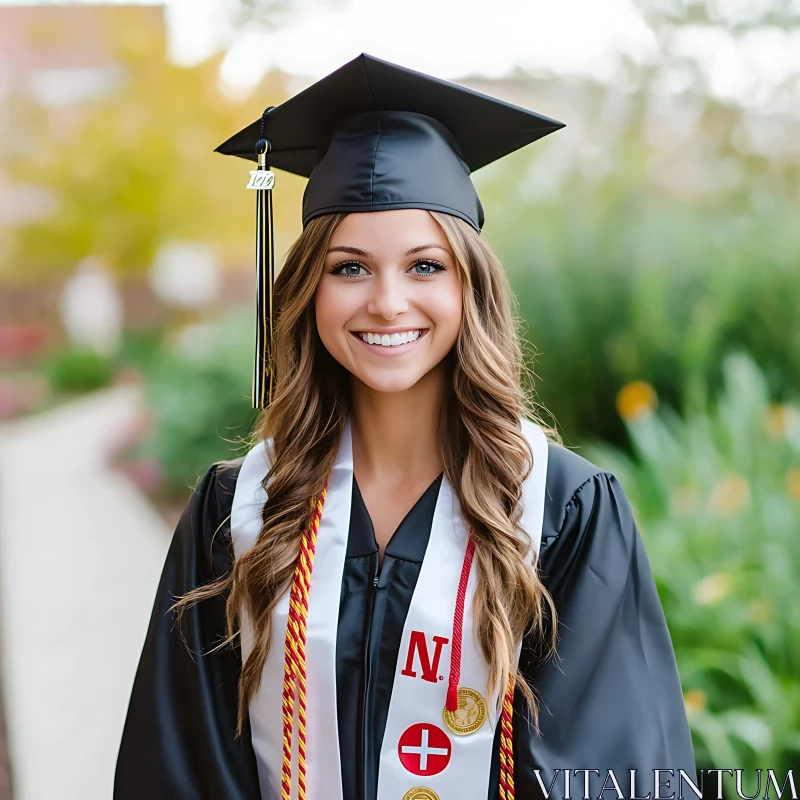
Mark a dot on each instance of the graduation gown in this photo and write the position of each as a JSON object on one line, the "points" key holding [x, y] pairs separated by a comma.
{"points": [[610, 701]]}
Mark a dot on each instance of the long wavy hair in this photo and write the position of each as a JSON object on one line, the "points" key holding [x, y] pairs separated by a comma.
{"points": [[486, 457]]}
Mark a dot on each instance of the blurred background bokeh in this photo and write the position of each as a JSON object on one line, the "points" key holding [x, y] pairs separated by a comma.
{"points": [[653, 246]]}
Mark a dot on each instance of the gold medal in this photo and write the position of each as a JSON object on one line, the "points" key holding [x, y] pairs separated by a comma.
{"points": [[470, 714], [420, 793]]}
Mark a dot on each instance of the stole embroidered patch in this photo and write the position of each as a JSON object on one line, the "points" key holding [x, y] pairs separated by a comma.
{"points": [[424, 749]]}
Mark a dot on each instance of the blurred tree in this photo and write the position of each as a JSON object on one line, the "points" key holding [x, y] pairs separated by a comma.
{"points": [[266, 12], [272, 13], [657, 231], [734, 17], [136, 169]]}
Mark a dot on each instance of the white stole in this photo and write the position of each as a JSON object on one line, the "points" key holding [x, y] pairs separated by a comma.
{"points": [[418, 696]]}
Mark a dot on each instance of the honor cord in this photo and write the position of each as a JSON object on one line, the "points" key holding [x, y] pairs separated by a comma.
{"points": [[294, 665], [507, 711]]}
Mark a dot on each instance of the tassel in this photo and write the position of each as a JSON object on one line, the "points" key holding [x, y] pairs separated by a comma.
{"points": [[262, 180]]}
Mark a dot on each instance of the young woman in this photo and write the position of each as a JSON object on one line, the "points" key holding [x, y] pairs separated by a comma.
{"points": [[405, 543]]}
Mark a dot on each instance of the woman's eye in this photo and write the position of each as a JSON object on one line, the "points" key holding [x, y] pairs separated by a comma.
{"points": [[429, 267], [350, 269]]}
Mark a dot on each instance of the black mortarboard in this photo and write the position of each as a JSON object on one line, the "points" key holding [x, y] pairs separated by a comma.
{"points": [[375, 136]]}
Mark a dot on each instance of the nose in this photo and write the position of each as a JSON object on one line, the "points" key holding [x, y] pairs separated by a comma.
{"points": [[387, 297]]}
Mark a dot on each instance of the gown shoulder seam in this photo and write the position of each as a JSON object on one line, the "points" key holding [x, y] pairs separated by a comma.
{"points": [[574, 497], [223, 477]]}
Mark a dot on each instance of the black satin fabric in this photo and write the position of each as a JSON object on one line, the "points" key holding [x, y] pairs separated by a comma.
{"points": [[611, 701], [374, 603], [179, 737]]}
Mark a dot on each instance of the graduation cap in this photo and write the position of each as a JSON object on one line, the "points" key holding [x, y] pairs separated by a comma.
{"points": [[373, 136]]}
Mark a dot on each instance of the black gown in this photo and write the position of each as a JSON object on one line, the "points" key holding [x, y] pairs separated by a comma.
{"points": [[611, 701]]}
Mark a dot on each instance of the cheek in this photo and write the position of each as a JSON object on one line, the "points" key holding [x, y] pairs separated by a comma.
{"points": [[331, 310], [444, 307]]}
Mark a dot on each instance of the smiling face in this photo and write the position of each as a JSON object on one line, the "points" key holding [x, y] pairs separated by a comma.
{"points": [[388, 306]]}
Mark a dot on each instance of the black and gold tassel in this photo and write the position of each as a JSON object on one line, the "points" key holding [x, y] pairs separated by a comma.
{"points": [[262, 180]]}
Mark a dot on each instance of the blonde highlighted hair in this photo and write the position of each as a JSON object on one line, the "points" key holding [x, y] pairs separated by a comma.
{"points": [[486, 456]]}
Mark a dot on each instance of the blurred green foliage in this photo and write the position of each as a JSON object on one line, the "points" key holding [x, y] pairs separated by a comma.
{"points": [[717, 498], [658, 231], [198, 391], [142, 347], [73, 369], [622, 286]]}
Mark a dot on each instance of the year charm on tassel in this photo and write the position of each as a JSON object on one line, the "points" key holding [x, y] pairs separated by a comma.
{"points": [[261, 179]]}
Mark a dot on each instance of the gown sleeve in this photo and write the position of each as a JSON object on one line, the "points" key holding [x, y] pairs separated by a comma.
{"points": [[179, 739], [611, 700]]}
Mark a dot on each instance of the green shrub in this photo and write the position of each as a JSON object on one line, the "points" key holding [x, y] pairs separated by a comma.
{"points": [[76, 369], [198, 392], [717, 499], [616, 282], [141, 347]]}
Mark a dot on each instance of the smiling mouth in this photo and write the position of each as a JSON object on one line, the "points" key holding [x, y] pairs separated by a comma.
{"points": [[389, 346]]}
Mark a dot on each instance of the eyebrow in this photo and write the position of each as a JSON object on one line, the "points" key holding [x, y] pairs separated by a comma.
{"points": [[355, 251]]}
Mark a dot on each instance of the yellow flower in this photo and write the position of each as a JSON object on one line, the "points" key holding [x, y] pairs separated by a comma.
{"points": [[780, 419], [729, 496], [793, 482], [760, 610], [694, 700], [712, 589], [636, 399]]}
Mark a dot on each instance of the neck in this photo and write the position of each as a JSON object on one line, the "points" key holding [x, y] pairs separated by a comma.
{"points": [[396, 434]]}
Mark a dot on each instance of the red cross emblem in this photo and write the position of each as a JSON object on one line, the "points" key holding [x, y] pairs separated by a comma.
{"points": [[424, 749]]}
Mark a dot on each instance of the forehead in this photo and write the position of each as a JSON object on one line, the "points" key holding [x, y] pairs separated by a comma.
{"points": [[389, 231]]}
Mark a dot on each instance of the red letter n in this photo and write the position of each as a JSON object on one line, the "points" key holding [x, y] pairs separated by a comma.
{"points": [[419, 645]]}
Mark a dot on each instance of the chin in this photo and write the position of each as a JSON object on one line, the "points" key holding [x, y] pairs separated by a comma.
{"points": [[394, 383]]}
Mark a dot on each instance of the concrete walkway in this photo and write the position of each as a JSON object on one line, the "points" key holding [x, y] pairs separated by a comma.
{"points": [[80, 555]]}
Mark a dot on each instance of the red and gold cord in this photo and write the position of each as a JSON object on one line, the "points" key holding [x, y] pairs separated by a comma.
{"points": [[507, 743], [294, 663], [451, 704]]}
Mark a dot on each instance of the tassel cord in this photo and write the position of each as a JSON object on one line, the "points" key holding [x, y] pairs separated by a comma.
{"points": [[263, 373]]}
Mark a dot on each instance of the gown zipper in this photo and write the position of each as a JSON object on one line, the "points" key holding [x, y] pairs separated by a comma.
{"points": [[366, 728]]}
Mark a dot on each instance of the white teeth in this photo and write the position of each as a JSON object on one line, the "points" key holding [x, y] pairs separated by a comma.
{"points": [[390, 340]]}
